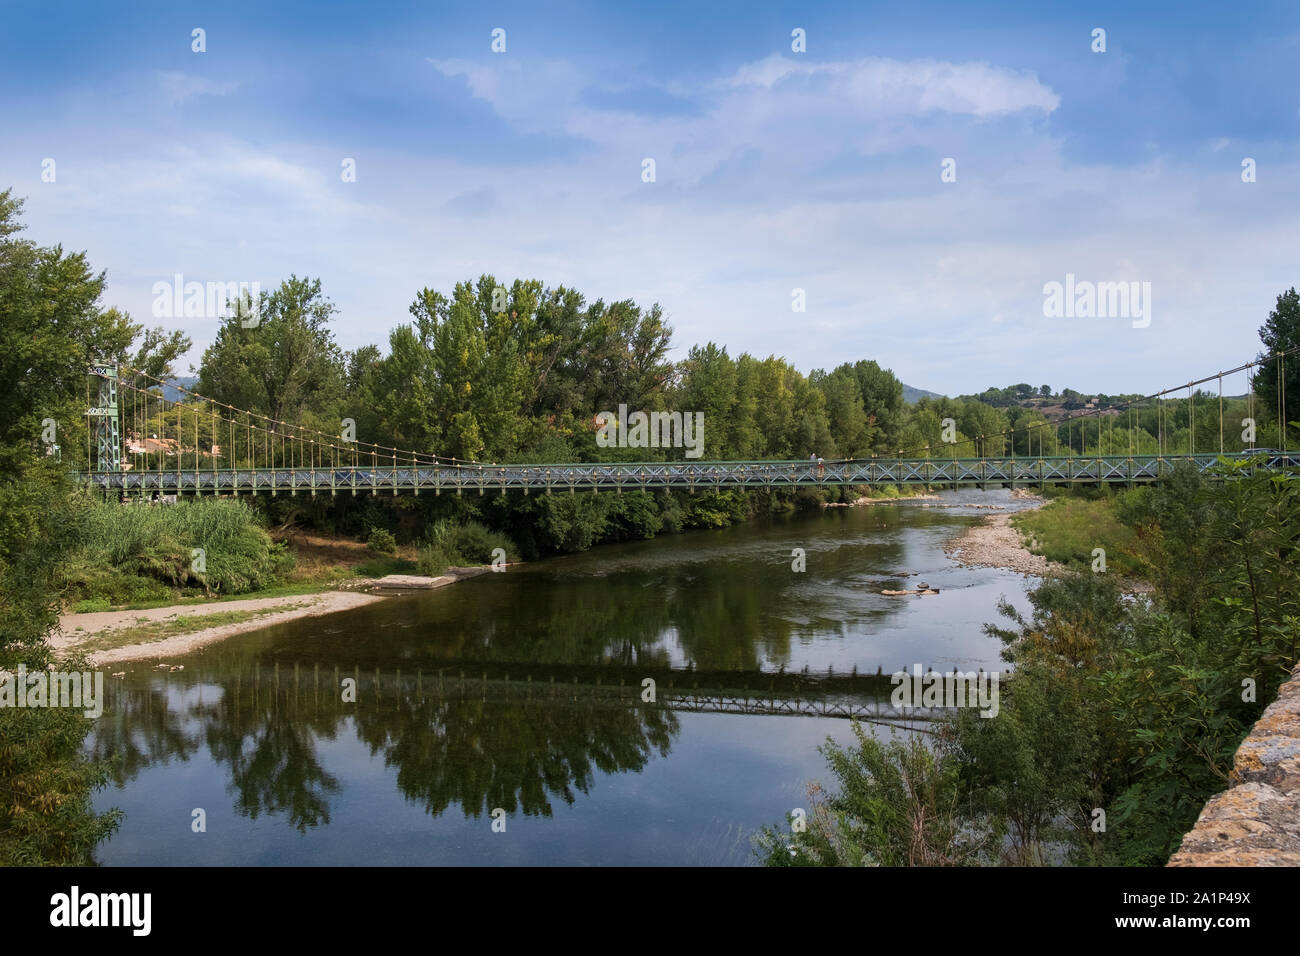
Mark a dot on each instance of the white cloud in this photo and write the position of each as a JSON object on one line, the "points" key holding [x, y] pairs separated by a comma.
{"points": [[181, 87], [529, 94], [879, 85], [838, 193]]}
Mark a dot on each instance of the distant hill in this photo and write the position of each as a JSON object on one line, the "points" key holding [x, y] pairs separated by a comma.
{"points": [[913, 395], [172, 394]]}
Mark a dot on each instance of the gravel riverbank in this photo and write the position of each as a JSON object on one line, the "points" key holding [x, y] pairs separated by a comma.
{"points": [[995, 543]]}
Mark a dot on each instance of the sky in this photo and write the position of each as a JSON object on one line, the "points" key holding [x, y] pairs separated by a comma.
{"points": [[775, 170]]}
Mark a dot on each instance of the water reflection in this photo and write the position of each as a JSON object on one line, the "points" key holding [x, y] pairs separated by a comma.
{"points": [[456, 744], [522, 691], [716, 600]]}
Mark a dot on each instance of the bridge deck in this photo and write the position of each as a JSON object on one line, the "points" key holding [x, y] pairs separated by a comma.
{"points": [[685, 475]]}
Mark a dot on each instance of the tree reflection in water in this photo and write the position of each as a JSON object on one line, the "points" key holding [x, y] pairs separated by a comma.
{"points": [[475, 747]]}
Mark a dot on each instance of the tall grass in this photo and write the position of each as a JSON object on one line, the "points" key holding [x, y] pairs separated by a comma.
{"points": [[135, 551], [1067, 530], [450, 544]]}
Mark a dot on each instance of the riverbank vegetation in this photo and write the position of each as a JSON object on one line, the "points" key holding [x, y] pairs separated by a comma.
{"points": [[136, 553], [50, 325], [1122, 716], [451, 544], [1072, 526], [523, 374]]}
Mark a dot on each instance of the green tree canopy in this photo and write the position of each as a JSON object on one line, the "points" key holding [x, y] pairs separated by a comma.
{"points": [[285, 365], [51, 328], [1280, 333]]}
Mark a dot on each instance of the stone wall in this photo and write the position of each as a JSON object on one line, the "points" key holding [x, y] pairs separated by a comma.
{"points": [[1256, 821]]}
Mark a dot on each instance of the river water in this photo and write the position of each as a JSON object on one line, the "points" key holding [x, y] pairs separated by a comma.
{"points": [[517, 699]]}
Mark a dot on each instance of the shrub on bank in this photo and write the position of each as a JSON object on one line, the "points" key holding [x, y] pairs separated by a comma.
{"points": [[139, 552], [87, 579], [717, 509], [899, 803], [464, 543], [475, 543], [433, 561], [381, 542]]}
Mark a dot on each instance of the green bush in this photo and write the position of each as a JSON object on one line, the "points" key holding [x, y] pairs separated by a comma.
{"points": [[137, 552], [381, 541], [812, 499], [91, 605], [466, 543], [432, 560], [635, 515], [899, 803], [88, 579], [475, 543], [716, 509], [570, 523]]}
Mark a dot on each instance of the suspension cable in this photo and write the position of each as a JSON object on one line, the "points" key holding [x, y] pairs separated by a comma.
{"points": [[145, 391]]}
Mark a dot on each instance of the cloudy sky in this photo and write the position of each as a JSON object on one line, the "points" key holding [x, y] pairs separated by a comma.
{"points": [[775, 170]]}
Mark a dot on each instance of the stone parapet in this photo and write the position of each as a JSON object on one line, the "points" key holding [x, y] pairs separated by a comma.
{"points": [[1256, 821]]}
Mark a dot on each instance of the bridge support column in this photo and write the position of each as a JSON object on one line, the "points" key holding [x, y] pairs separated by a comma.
{"points": [[104, 423]]}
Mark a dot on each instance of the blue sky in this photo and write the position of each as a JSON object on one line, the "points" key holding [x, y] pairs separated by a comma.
{"points": [[775, 170]]}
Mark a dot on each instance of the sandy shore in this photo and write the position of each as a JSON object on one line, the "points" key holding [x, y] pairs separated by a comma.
{"points": [[994, 543], [76, 629], [100, 623]]}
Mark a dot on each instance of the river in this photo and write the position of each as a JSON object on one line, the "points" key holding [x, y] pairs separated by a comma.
{"points": [[517, 699]]}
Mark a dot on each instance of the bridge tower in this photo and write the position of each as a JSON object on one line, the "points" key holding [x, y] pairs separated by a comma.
{"points": [[105, 433]]}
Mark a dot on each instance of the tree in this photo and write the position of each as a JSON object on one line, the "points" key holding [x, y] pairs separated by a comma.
{"points": [[284, 365], [158, 352], [51, 327], [554, 354], [476, 364], [709, 386], [882, 400], [1280, 333], [986, 426], [842, 395], [1032, 435], [628, 354]]}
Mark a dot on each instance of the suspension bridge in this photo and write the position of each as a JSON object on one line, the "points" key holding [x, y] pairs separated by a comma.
{"points": [[141, 443]]}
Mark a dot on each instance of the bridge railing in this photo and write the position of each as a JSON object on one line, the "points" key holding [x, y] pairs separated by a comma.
{"points": [[618, 476]]}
